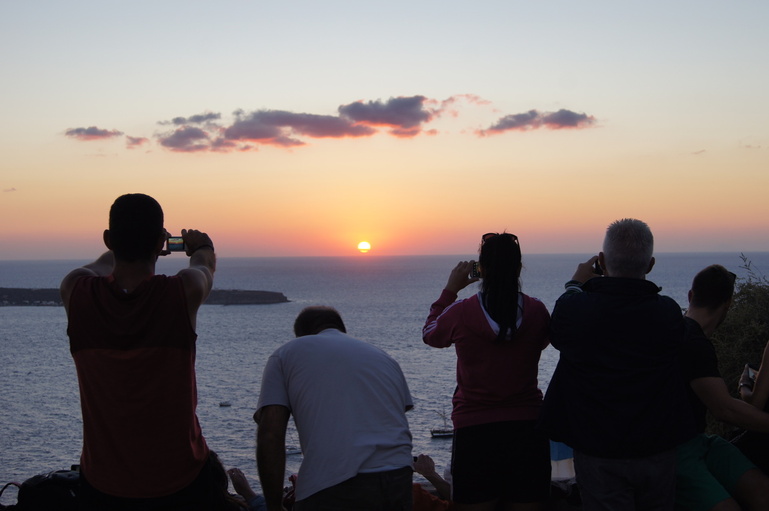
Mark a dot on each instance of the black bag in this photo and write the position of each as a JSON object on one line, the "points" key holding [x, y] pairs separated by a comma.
{"points": [[53, 491]]}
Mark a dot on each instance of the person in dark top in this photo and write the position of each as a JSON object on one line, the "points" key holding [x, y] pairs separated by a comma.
{"points": [[711, 473], [132, 337], [617, 396]]}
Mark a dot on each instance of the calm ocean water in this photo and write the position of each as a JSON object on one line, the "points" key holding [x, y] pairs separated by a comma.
{"points": [[383, 300]]}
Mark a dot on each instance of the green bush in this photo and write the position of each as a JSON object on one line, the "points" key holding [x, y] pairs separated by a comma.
{"points": [[744, 333]]}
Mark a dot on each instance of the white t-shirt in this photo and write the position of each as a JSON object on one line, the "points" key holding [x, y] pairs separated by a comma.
{"points": [[348, 399]]}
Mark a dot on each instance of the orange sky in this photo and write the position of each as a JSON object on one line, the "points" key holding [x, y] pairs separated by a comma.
{"points": [[290, 141]]}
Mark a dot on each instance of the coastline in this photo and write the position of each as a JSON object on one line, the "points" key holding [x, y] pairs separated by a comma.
{"points": [[23, 297]]}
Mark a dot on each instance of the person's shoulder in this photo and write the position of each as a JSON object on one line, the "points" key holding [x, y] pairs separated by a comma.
{"points": [[534, 304], [693, 330], [74, 276], [473, 300], [469, 305], [571, 298], [533, 300]]}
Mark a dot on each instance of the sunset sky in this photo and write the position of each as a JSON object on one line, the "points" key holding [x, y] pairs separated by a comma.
{"points": [[303, 128]]}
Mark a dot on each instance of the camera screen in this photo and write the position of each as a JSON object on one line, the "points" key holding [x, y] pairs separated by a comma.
{"points": [[175, 244]]}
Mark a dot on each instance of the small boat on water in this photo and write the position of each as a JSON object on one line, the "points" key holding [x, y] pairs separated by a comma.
{"points": [[446, 431], [441, 433]]}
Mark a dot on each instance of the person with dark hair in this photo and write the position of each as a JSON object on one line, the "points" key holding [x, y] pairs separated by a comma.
{"points": [[316, 319], [132, 337], [617, 396], [712, 474], [498, 457], [349, 401]]}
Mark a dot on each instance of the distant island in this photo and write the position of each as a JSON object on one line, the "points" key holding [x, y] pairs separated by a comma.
{"points": [[13, 297]]}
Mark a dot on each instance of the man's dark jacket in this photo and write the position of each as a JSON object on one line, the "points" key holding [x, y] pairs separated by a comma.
{"points": [[617, 391]]}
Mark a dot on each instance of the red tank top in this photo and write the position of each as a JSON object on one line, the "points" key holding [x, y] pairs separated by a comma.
{"points": [[135, 359]]}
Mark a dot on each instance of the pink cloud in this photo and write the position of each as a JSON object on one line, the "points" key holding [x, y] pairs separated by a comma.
{"points": [[562, 119], [566, 119], [401, 117], [92, 133], [405, 115], [281, 128], [186, 139], [194, 119], [134, 142]]}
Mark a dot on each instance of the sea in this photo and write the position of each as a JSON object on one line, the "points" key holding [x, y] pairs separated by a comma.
{"points": [[383, 300]]}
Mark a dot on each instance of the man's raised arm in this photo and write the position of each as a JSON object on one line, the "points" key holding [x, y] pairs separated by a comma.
{"points": [[198, 278]]}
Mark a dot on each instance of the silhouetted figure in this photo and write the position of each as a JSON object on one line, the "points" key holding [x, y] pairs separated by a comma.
{"points": [[349, 402], [132, 337], [498, 457], [617, 396], [712, 473]]}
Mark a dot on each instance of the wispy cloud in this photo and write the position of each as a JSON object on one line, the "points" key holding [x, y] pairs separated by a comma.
{"points": [[402, 116], [533, 119], [194, 119], [450, 106], [7, 190], [92, 133], [134, 142]]}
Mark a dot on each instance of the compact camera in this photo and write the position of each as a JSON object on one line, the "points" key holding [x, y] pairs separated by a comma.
{"points": [[475, 273], [175, 244]]}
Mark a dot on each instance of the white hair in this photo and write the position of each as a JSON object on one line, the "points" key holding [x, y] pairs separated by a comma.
{"points": [[627, 248]]}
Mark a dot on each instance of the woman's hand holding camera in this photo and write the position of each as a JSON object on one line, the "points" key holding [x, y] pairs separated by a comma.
{"points": [[460, 277]]}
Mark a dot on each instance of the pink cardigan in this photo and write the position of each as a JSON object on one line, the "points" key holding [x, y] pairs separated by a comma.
{"points": [[496, 381]]}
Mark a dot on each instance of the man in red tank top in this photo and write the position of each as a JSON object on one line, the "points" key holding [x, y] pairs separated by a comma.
{"points": [[132, 337]]}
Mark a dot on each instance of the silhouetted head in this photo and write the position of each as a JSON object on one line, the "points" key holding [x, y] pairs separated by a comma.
{"points": [[627, 249], [500, 261], [712, 287], [313, 320], [135, 228]]}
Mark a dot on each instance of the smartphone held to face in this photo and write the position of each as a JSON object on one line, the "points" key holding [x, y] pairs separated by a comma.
{"points": [[475, 273], [175, 244]]}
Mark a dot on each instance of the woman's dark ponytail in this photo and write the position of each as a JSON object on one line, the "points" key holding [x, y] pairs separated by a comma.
{"points": [[500, 260]]}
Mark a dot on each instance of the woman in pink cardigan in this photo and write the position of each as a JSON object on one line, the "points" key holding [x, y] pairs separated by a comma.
{"points": [[498, 456]]}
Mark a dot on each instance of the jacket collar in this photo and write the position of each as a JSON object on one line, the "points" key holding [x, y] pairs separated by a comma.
{"points": [[621, 285]]}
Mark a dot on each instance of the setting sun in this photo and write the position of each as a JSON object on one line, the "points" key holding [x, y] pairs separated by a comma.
{"points": [[364, 246]]}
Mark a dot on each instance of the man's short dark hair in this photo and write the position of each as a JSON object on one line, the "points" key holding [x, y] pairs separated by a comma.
{"points": [[712, 287], [313, 320], [135, 225]]}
